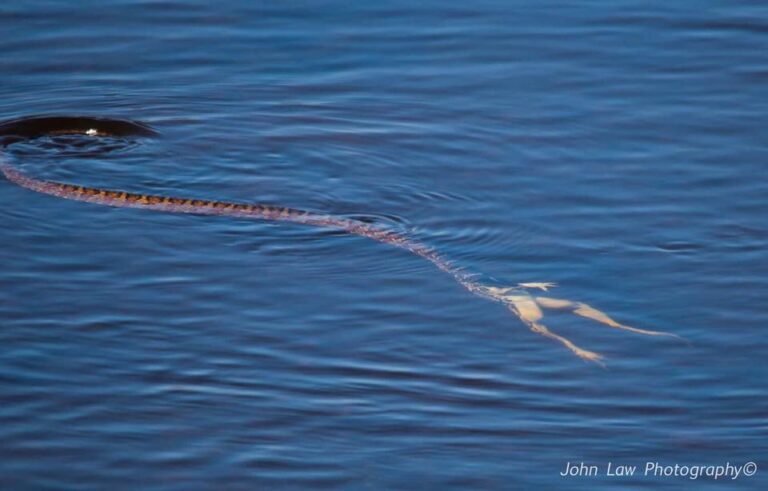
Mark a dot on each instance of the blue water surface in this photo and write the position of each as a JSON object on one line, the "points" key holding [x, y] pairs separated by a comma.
{"points": [[618, 149]]}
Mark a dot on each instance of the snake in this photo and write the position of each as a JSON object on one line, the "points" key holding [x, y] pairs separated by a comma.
{"points": [[525, 305]]}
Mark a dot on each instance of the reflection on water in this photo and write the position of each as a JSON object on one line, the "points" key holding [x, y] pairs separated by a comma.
{"points": [[617, 151]]}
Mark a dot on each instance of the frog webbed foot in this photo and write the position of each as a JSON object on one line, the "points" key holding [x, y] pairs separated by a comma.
{"points": [[540, 285]]}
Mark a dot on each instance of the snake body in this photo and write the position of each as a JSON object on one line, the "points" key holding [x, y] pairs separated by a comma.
{"points": [[30, 128], [526, 307]]}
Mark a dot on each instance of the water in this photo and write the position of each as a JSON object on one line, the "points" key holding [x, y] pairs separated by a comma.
{"points": [[616, 149]]}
